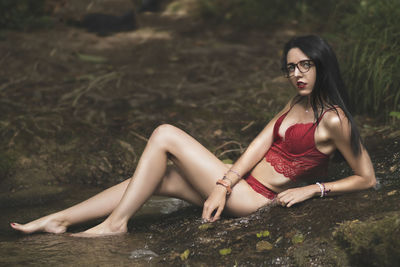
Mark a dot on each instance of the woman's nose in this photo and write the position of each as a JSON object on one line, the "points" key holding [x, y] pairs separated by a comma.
{"points": [[297, 72]]}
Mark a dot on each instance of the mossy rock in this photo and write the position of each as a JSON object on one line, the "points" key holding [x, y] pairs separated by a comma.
{"points": [[374, 242], [317, 252]]}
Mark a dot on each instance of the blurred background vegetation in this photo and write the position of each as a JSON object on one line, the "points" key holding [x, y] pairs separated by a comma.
{"points": [[24, 14], [365, 33]]}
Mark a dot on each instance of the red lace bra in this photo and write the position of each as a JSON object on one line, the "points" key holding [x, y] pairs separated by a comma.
{"points": [[295, 156]]}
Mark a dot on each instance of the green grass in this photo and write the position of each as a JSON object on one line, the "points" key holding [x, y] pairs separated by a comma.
{"points": [[373, 58]]}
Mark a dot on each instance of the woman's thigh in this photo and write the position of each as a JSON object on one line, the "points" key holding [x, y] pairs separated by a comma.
{"points": [[202, 169], [244, 200], [199, 166]]}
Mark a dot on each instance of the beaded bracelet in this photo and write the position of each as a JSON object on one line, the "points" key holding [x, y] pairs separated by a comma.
{"points": [[322, 189], [226, 185], [324, 192], [235, 172], [226, 178]]}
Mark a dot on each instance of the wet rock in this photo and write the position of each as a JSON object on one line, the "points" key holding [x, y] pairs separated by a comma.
{"points": [[143, 253], [374, 242], [317, 252]]}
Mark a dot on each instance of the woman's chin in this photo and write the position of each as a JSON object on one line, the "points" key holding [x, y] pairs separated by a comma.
{"points": [[304, 92]]}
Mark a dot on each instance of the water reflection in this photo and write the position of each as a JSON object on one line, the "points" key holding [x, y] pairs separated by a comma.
{"points": [[134, 248], [47, 249]]}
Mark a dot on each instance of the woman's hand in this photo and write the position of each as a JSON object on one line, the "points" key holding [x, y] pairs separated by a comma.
{"points": [[292, 196], [214, 203]]}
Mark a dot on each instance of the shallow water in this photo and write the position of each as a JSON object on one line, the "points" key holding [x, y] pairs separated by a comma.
{"points": [[165, 228], [64, 250]]}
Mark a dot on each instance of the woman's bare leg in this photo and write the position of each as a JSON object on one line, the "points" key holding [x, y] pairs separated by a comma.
{"points": [[200, 167], [95, 207], [194, 186], [104, 203]]}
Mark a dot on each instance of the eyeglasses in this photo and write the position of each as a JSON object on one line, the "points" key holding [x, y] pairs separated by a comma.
{"points": [[303, 66]]}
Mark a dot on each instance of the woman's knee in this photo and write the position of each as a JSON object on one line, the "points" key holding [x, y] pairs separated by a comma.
{"points": [[164, 134]]}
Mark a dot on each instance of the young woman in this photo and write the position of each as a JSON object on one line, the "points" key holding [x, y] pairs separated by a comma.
{"points": [[294, 146]]}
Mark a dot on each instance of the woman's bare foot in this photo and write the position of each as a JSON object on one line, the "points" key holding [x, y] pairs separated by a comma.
{"points": [[103, 229], [48, 224]]}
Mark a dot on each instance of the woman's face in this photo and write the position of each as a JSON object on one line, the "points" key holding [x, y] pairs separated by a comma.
{"points": [[301, 70]]}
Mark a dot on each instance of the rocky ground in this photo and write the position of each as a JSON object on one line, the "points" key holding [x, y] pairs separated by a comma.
{"points": [[77, 108]]}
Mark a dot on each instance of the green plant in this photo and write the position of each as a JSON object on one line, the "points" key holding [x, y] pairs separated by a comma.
{"points": [[372, 56], [17, 14], [395, 114], [366, 34]]}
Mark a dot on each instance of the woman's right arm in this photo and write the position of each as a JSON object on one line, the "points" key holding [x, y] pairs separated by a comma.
{"points": [[247, 161], [256, 150]]}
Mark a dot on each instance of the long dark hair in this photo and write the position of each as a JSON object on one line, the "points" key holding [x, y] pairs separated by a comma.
{"points": [[329, 90]]}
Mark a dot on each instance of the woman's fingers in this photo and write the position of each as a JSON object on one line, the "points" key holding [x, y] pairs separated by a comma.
{"points": [[206, 214], [285, 198], [208, 209], [214, 203], [217, 215]]}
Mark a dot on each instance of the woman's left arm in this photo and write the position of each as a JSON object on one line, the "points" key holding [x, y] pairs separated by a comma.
{"points": [[339, 132], [364, 175]]}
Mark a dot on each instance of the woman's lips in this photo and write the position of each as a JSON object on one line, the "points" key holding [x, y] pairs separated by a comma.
{"points": [[301, 85]]}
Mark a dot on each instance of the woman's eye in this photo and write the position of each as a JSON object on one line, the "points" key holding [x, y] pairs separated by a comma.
{"points": [[306, 64], [290, 68]]}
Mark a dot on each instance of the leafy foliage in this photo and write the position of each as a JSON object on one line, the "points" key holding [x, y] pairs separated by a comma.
{"points": [[371, 68], [366, 32], [17, 14]]}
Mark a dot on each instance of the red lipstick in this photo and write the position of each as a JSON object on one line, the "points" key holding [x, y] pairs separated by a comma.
{"points": [[301, 85]]}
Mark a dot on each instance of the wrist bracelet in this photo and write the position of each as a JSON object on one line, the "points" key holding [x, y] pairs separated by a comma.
{"points": [[226, 185], [226, 178], [326, 191], [322, 189], [235, 172]]}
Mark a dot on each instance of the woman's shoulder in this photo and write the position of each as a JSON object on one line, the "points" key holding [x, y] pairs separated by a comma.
{"points": [[335, 119]]}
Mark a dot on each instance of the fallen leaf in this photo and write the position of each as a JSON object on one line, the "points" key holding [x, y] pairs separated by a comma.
{"points": [[298, 238], [264, 245], [391, 193], [225, 251], [206, 226], [263, 234], [91, 58], [185, 255]]}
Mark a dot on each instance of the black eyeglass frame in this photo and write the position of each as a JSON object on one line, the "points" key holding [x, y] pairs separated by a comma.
{"points": [[289, 74]]}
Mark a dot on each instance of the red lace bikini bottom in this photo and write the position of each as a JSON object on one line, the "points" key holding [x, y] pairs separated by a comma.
{"points": [[259, 187]]}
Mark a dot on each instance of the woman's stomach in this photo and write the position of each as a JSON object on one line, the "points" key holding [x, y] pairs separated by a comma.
{"points": [[266, 174]]}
